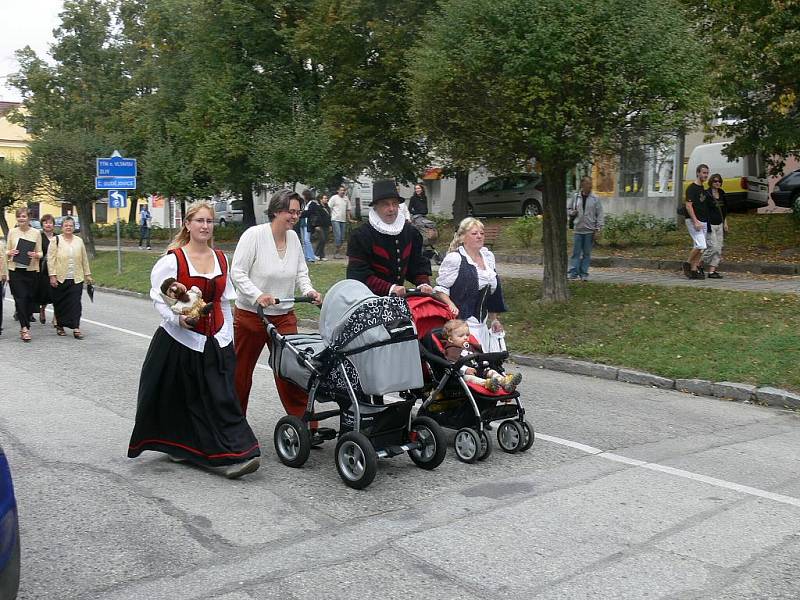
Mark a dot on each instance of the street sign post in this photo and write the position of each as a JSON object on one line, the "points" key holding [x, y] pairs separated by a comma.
{"points": [[118, 199]]}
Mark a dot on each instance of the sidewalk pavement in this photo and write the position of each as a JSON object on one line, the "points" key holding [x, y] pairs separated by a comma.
{"points": [[741, 282]]}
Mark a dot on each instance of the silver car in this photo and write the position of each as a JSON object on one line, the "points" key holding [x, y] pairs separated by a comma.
{"points": [[509, 195]]}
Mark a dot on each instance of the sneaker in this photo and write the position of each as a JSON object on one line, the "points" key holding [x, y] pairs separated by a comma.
{"points": [[492, 384], [584, 278], [322, 258], [149, 248], [714, 275], [242, 468], [572, 277]]}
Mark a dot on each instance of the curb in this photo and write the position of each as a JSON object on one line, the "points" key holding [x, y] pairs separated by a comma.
{"points": [[739, 392], [756, 268]]}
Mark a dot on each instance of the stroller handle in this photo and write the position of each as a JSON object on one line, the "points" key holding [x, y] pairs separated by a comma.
{"points": [[297, 299]]}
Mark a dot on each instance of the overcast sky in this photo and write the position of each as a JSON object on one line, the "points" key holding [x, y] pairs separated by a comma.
{"points": [[24, 23]]}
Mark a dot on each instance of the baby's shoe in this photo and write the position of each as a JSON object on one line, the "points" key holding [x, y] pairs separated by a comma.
{"points": [[492, 384], [511, 381]]}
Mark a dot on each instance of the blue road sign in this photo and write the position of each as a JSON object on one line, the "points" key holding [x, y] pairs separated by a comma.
{"points": [[117, 199], [116, 166], [115, 183]]}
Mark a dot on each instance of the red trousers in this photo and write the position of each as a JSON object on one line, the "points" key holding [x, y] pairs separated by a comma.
{"points": [[249, 337]]}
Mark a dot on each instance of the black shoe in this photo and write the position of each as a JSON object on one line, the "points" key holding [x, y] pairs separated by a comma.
{"points": [[695, 275], [714, 275], [687, 268]]}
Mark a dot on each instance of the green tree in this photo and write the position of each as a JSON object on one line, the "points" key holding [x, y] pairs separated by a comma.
{"points": [[355, 52], [753, 50], [298, 151], [497, 82], [63, 164]]}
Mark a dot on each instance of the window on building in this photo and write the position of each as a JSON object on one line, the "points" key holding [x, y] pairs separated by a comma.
{"points": [[631, 171]]}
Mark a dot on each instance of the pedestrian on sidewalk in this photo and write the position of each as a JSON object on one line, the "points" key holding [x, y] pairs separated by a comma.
{"points": [[304, 225], [717, 225], [696, 213], [68, 265], [23, 267], [322, 224], [340, 216], [145, 220], [268, 265], [586, 215], [187, 406]]}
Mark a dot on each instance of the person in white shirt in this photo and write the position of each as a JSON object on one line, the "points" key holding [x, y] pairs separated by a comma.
{"points": [[267, 265], [340, 215]]}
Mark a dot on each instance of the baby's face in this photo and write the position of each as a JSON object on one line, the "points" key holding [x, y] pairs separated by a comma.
{"points": [[459, 337], [176, 290]]}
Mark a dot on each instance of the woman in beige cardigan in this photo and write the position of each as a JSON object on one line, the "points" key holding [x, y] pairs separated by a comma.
{"points": [[68, 265], [23, 266]]}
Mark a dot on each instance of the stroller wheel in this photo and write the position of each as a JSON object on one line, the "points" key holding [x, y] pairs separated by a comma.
{"points": [[486, 446], [510, 436], [356, 460], [467, 445], [292, 441], [434, 443], [527, 431]]}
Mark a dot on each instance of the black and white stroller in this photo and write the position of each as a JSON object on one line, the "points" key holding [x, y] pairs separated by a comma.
{"points": [[367, 347]]}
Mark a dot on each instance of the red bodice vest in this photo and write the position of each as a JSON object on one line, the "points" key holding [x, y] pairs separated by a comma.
{"points": [[212, 289]]}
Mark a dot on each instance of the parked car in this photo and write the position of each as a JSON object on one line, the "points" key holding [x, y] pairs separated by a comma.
{"points": [[510, 195], [9, 534], [787, 190], [60, 220], [225, 212]]}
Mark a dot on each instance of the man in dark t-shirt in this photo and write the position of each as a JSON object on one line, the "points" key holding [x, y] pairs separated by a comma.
{"points": [[696, 222]]}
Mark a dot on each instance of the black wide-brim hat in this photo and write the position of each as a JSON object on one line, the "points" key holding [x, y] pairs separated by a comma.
{"points": [[385, 189]]}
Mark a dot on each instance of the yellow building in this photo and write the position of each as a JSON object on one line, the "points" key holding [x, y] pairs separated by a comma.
{"points": [[13, 144]]}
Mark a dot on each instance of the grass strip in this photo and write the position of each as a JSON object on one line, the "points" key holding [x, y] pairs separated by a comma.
{"points": [[671, 331]]}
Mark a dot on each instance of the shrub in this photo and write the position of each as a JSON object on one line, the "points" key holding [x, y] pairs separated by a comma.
{"points": [[636, 229], [525, 230]]}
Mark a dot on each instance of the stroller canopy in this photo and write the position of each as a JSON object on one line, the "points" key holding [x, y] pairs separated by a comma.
{"points": [[376, 333]]}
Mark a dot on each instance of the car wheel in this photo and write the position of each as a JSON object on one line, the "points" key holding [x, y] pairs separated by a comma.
{"points": [[531, 208]]}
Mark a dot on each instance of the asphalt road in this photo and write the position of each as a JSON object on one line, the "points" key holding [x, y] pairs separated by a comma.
{"points": [[628, 492]]}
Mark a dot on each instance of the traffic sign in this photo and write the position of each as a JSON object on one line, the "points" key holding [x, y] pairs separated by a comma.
{"points": [[117, 199], [115, 183], [116, 166]]}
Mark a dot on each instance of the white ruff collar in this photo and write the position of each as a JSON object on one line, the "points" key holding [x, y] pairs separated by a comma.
{"points": [[389, 229]]}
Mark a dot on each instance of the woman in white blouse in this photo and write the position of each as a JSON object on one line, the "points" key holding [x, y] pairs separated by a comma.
{"points": [[468, 283], [187, 405], [268, 264]]}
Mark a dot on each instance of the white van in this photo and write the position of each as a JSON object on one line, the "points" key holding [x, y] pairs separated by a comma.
{"points": [[743, 178]]}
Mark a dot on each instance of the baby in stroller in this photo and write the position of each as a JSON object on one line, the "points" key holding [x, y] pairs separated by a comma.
{"points": [[456, 344]]}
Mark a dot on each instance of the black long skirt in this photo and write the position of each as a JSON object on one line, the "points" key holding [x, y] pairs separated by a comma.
{"points": [[23, 288], [187, 405], [67, 303], [44, 291]]}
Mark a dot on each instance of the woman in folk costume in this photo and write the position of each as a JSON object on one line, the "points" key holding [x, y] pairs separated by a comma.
{"points": [[187, 405]]}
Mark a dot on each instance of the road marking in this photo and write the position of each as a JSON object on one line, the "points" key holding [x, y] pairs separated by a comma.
{"points": [[720, 483]]}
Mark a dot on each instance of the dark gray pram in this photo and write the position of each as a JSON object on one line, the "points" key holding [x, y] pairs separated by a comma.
{"points": [[367, 347]]}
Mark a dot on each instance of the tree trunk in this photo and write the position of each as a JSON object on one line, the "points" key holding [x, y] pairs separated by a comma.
{"points": [[554, 226], [460, 202], [132, 206], [86, 217], [248, 210]]}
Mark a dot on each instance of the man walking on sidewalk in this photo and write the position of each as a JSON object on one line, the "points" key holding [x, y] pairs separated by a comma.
{"points": [[586, 214], [144, 226], [696, 211], [340, 215]]}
